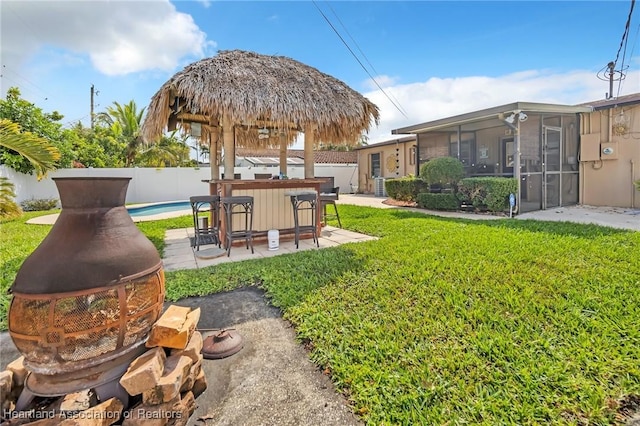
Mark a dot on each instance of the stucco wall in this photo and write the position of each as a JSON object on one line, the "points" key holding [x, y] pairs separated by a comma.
{"points": [[389, 167], [165, 184], [609, 182]]}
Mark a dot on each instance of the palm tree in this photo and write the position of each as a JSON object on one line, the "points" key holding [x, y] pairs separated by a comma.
{"points": [[8, 207], [169, 151], [37, 150], [125, 121]]}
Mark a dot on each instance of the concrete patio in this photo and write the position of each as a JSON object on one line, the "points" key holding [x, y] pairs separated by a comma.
{"points": [[178, 253]]}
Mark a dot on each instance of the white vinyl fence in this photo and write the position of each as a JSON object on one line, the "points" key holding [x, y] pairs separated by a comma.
{"points": [[150, 185]]}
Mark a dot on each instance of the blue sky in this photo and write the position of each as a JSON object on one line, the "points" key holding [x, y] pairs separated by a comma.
{"points": [[434, 59]]}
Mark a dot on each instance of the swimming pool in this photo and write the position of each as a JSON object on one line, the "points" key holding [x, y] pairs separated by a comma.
{"points": [[157, 208]]}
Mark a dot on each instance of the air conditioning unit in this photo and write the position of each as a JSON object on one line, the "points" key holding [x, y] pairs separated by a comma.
{"points": [[378, 187]]}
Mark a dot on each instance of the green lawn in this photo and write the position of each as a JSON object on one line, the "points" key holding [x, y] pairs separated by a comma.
{"points": [[451, 321]]}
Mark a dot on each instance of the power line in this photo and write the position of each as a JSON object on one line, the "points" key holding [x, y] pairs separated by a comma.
{"points": [[625, 34], [362, 53], [625, 40], [609, 72], [43, 93], [357, 59]]}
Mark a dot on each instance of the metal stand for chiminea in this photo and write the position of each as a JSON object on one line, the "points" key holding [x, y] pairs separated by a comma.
{"points": [[222, 344]]}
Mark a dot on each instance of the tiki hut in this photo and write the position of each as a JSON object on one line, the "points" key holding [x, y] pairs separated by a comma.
{"points": [[252, 100]]}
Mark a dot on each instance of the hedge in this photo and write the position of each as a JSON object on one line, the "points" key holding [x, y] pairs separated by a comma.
{"points": [[405, 188], [39, 204], [438, 201], [442, 170], [487, 193]]}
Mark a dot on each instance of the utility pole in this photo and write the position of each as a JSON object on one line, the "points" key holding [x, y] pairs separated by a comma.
{"points": [[93, 94]]}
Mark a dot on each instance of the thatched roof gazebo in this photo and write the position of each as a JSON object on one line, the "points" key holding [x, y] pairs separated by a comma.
{"points": [[255, 100]]}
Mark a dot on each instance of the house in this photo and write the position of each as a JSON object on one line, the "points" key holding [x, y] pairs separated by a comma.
{"points": [[610, 153], [560, 154], [388, 159]]}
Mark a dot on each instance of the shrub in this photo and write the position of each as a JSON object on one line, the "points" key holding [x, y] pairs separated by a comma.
{"points": [[8, 207], [487, 193], [438, 201], [39, 204], [443, 171], [405, 188]]}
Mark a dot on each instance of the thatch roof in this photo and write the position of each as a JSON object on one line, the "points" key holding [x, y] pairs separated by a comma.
{"points": [[319, 157], [260, 92]]}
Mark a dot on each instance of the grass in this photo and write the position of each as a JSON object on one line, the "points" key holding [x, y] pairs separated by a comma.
{"points": [[453, 321]]}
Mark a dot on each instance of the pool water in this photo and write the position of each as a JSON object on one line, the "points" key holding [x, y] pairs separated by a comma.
{"points": [[159, 208]]}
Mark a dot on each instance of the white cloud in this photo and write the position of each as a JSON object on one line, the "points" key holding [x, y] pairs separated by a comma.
{"points": [[440, 98], [118, 37]]}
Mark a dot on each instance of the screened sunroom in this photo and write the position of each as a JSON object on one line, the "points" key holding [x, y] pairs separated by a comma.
{"points": [[536, 143]]}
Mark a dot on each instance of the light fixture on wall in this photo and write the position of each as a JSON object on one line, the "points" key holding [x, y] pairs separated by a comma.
{"points": [[510, 119], [620, 124], [263, 133]]}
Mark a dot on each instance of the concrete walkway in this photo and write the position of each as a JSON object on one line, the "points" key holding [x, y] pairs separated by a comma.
{"points": [[615, 217]]}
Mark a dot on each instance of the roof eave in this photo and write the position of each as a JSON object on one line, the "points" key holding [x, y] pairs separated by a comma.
{"points": [[402, 139], [475, 116]]}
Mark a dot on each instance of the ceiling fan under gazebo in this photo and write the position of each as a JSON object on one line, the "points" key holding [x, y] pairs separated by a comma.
{"points": [[247, 99]]}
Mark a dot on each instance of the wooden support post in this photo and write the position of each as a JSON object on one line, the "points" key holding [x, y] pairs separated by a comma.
{"points": [[283, 154], [228, 137], [309, 140], [213, 155]]}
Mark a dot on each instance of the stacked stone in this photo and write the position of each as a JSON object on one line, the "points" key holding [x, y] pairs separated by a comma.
{"points": [[11, 384], [169, 375], [163, 382]]}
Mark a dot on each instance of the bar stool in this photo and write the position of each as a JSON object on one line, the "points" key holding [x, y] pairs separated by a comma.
{"points": [[302, 203], [330, 198], [206, 220], [241, 206]]}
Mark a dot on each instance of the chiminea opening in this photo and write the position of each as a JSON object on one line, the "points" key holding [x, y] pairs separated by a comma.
{"points": [[85, 299]]}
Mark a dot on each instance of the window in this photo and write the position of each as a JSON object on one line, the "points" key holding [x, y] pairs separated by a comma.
{"points": [[412, 156], [467, 148], [376, 171]]}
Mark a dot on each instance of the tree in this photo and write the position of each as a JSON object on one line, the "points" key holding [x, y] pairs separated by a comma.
{"points": [[36, 150], [125, 121], [8, 207], [168, 152], [36, 125], [445, 171], [97, 147]]}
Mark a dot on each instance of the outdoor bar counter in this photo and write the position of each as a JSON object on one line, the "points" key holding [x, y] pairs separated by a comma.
{"points": [[272, 207]]}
